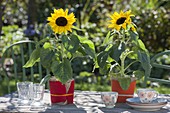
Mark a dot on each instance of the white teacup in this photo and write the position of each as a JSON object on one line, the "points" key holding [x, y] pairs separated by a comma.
{"points": [[147, 95], [109, 98]]}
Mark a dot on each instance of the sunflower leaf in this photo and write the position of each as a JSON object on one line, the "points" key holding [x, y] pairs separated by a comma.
{"points": [[116, 51], [102, 58], [106, 40], [63, 70], [138, 74], [70, 43], [141, 45], [46, 57], [105, 69], [35, 55], [124, 82], [87, 46], [133, 35], [145, 62]]}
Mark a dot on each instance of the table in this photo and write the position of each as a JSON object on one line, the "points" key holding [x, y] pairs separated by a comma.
{"points": [[84, 102]]}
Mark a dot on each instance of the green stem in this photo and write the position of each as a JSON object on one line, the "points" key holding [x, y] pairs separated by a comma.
{"points": [[130, 64], [56, 36], [123, 36], [128, 40], [62, 51], [122, 70], [62, 47], [122, 67]]}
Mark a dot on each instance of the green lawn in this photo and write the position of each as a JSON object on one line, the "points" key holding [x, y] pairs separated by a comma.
{"points": [[95, 87], [84, 87]]}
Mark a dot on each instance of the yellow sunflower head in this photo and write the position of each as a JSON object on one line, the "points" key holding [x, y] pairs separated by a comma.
{"points": [[120, 20], [60, 21]]}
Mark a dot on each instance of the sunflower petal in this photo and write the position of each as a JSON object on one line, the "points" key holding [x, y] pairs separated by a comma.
{"points": [[55, 10], [117, 27], [49, 19], [124, 25], [66, 12]]}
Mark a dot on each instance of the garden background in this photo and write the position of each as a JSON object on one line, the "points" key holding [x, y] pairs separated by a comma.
{"points": [[26, 19]]}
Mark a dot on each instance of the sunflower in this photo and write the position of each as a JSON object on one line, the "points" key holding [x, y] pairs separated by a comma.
{"points": [[120, 20], [60, 21]]}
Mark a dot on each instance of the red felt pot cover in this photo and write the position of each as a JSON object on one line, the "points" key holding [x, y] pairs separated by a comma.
{"points": [[117, 88], [59, 94]]}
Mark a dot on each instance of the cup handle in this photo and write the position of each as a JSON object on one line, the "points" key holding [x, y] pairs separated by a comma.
{"points": [[156, 95], [116, 98]]}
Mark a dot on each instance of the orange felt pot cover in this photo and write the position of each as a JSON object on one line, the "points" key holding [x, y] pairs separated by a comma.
{"points": [[129, 92]]}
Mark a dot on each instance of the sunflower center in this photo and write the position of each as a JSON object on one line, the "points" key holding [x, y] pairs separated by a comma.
{"points": [[61, 21], [121, 20]]}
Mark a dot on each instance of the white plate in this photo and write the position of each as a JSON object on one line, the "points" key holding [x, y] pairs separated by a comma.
{"points": [[153, 106]]}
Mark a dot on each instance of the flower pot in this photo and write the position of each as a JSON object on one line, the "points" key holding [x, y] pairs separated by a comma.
{"points": [[123, 94], [61, 93]]}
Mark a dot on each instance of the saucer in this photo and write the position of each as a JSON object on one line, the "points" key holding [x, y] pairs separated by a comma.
{"points": [[153, 106]]}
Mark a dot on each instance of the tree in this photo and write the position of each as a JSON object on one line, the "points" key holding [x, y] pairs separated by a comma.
{"points": [[32, 12], [1, 11]]}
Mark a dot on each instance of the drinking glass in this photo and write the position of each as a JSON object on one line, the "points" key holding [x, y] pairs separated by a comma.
{"points": [[38, 93], [24, 93]]}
